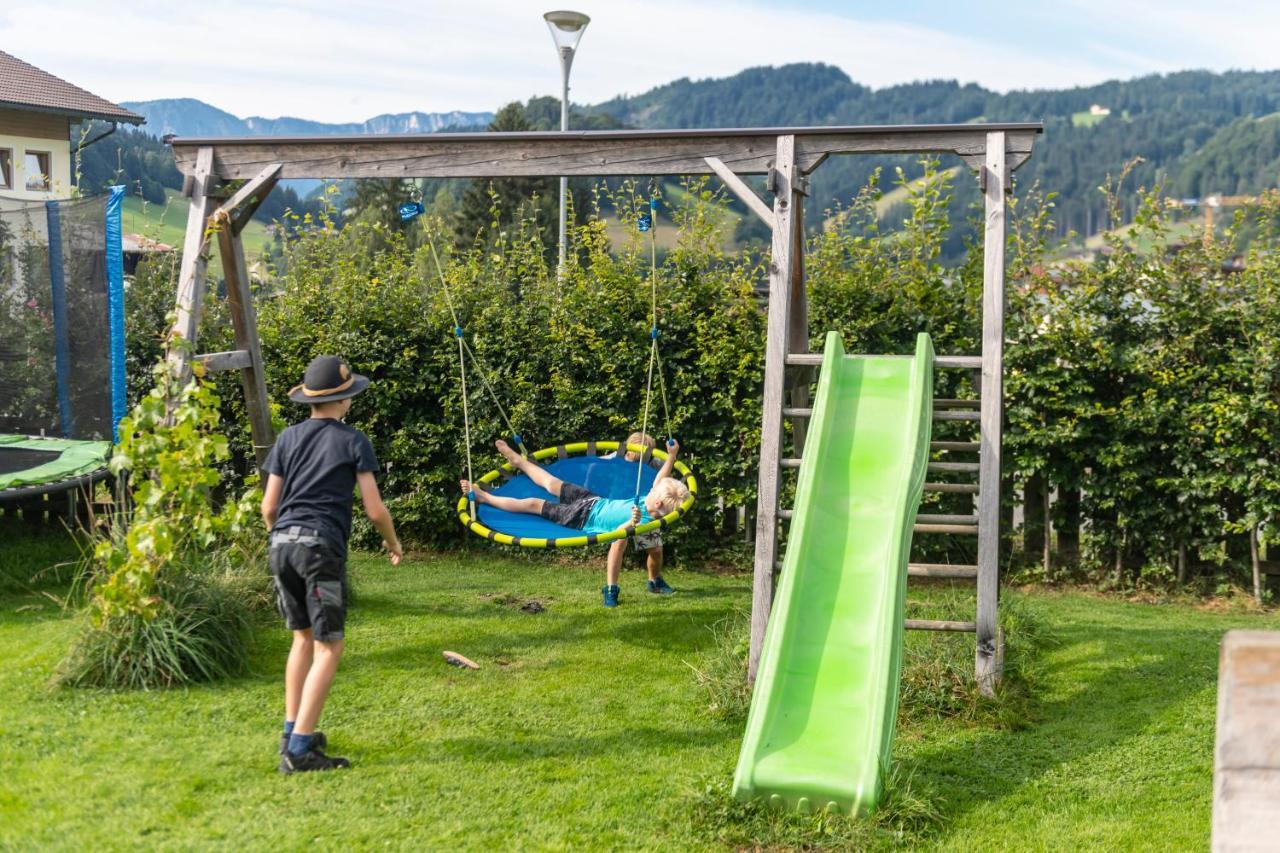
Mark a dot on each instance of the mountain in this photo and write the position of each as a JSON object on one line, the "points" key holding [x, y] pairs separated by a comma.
{"points": [[1163, 118], [190, 117]]}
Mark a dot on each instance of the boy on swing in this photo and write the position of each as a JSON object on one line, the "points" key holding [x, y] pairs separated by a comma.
{"points": [[581, 509], [649, 543]]}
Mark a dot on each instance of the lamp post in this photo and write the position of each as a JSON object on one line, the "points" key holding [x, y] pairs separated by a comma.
{"points": [[566, 29]]}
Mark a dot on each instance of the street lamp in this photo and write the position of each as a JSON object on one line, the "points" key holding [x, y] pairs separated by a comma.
{"points": [[566, 29]]}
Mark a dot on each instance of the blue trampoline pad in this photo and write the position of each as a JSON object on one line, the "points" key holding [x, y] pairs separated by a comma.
{"points": [[607, 477]]}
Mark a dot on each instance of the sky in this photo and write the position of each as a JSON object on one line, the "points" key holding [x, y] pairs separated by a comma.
{"points": [[347, 61]]}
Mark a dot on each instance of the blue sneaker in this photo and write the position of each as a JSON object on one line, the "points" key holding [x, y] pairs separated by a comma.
{"points": [[610, 594], [658, 586]]}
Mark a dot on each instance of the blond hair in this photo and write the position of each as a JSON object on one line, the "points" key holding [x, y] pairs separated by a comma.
{"points": [[669, 493], [641, 439]]}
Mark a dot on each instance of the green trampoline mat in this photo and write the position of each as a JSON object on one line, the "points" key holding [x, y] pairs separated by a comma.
{"points": [[50, 459]]}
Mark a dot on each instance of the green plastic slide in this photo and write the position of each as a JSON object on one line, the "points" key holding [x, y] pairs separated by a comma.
{"points": [[822, 715]]}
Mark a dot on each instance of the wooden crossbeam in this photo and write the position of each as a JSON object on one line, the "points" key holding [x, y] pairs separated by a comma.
{"points": [[245, 201], [585, 153]]}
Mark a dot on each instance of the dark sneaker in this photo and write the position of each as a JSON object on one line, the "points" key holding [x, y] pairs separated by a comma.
{"points": [[610, 594], [319, 742], [658, 586], [310, 761]]}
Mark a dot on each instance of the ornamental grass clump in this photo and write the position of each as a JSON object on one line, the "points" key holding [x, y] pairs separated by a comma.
{"points": [[172, 582]]}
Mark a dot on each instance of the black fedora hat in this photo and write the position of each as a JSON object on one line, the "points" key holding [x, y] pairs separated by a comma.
{"points": [[328, 379]]}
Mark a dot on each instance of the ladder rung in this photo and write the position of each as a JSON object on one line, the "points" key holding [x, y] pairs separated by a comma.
{"points": [[965, 446], [785, 514], [959, 467], [800, 359], [789, 463], [956, 488], [950, 415], [928, 518], [969, 361], [236, 359], [789, 412], [939, 625], [947, 403], [961, 529], [941, 570]]}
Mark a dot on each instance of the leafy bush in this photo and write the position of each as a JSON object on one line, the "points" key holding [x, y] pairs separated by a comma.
{"points": [[172, 580], [198, 630]]}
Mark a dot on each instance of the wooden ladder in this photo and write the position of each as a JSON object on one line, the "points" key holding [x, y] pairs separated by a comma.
{"points": [[944, 409]]}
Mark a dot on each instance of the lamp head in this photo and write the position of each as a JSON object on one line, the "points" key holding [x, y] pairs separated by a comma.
{"points": [[566, 28]]}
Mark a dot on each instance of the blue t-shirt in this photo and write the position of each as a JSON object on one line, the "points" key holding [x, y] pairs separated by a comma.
{"points": [[608, 514]]}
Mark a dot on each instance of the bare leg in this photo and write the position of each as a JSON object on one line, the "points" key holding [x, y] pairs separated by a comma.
{"points": [[530, 506], [316, 689], [533, 470], [295, 671], [653, 562], [613, 565]]}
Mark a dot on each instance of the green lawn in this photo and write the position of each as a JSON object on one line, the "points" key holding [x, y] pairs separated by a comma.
{"points": [[584, 729], [167, 223]]}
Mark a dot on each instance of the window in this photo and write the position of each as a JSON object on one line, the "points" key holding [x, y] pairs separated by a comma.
{"points": [[6, 168], [36, 166]]}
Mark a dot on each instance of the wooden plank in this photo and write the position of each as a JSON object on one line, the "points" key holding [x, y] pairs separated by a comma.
{"points": [[588, 153], [938, 625], [809, 359], [216, 362], [246, 200], [948, 415], [776, 349], [960, 446], [973, 362], [244, 322], [957, 488], [950, 571], [953, 529], [955, 467], [939, 518], [797, 412], [945, 403], [1246, 771], [195, 260], [987, 653], [791, 462], [798, 326], [740, 189]]}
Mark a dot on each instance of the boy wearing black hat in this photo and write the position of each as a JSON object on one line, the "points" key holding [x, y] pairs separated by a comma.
{"points": [[312, 471]]}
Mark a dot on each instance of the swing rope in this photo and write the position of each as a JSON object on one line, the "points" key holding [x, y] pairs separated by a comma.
{"points": [[648, 222], [462, 372]]}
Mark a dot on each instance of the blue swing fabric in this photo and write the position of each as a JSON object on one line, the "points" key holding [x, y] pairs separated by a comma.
{"points": [[589, 464], [607, 477]]}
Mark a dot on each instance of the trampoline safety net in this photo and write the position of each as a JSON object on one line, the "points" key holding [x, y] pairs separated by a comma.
{"points": [[61, 317]]}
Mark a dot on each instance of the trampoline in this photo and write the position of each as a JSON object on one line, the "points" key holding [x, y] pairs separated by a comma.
{"points": [[62, 358], [587, 463]]}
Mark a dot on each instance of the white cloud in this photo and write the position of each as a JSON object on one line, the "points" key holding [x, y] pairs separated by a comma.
{"points": [[337, 61]]}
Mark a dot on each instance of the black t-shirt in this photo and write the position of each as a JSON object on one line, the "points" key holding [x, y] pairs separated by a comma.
{"points": [[318, 460]]}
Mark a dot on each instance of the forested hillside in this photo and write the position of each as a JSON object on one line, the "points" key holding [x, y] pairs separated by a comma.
{"points": [[1199, 133]]}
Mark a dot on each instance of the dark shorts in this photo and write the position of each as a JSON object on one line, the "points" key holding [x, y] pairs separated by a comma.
{"points": [[310, 574], [574, 507]]}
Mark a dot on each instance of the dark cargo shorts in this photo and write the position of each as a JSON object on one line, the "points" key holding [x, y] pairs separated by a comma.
{"points": [[574, 507], [310, 574]]}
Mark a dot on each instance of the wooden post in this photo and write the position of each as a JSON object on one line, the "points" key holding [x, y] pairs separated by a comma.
{"points": [[775, 365], [1048, 530], [798, 327], [244, 321], [191, 279], [1246, 755], [1254, 564], [987, 655]]}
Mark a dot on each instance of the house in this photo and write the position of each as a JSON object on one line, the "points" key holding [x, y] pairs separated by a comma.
{"points": [[37, 111]]}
